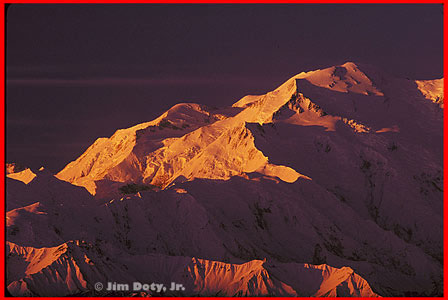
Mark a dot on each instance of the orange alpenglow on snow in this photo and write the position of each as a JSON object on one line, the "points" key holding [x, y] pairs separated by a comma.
{"points": [[329, 185]]}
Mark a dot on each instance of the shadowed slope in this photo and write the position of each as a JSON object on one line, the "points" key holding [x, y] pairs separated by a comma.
{"points": [[73, 267], [340, 166]]}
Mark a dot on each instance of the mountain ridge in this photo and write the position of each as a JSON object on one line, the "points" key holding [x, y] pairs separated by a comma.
{"points": [[340, 166], [253, 278]]}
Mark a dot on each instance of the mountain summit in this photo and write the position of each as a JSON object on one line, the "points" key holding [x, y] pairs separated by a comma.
{"points": [[189, 136], [333, 179]]}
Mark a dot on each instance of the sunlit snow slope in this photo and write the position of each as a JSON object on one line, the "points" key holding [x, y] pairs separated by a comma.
{"points": [[332, 180]]}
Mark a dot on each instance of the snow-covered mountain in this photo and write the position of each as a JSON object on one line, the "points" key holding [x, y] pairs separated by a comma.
{"points": [[335, 178], [73, 267]]}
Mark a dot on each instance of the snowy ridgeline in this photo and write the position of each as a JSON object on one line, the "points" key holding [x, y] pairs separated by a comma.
{"points": [[330, 181]]}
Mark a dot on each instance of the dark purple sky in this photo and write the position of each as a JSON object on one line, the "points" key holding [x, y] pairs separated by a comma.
{"points": [[79, 72]]}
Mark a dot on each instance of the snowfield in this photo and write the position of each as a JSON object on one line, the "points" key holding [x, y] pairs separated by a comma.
{"points": [[330, 185]]}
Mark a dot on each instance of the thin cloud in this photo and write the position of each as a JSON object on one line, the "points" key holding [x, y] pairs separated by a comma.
{"points": [[109, 81]]}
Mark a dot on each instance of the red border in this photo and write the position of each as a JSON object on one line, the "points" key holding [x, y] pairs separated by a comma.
{"points": [[224, 1], [2, 111], [445, 143], [2, 138]]}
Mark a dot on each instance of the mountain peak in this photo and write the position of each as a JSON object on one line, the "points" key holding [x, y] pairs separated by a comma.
{"points": [[336, 167], [26, 175], [344, 78]]}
